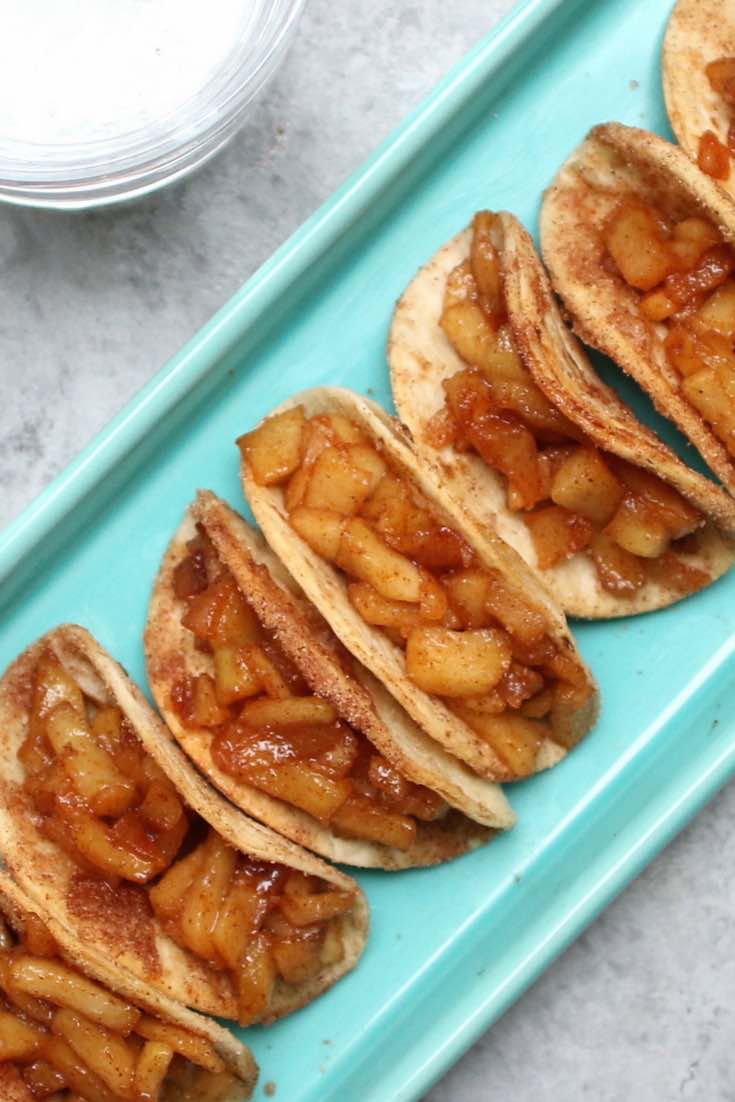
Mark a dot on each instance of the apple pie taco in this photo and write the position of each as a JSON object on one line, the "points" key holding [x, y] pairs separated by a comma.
{"points": [[270, 708], [110, 830], [641, 247], [446, 616], [495, 388], [75, 1027]]}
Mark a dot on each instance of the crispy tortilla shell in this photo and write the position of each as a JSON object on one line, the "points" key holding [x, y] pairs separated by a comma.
{"points": [[113, 922], [15, 906], [326, 587], [171, 653], [421, 358], [699, 31], [613, 162]]}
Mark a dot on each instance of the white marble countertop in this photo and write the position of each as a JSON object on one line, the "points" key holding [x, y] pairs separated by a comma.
{"points": [[643, 1006]]}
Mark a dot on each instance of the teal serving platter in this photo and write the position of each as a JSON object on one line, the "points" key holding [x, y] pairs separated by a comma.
{"points": [[450, 948]]}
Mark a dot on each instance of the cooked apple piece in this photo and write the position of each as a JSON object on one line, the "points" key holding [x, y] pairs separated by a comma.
{"points": [[713, 157], [197, 1049], [378, 610], [519, 684], [673, 573], [161, 806], [460, 286], [638, 528], [198, 918], [167, 896], [469, 331], [434, 604], [59, 984], [714, 266], [457, 663], [690, 348], [37, 939], [680, 517], [270, 677], [502, 362], [362, 818], [558, 534], [523, 622], [533, 408], [299, 959], [151, 1070], [307, 788], [584, 484], [18, 1040], [190, 575], [364, 555], [306, 908], [539, 705], [507, 446], [469, 591], [52, 685], [102, 1050], [491, 704], [635, 240], [206, 710], [90, 769], [619, 572], [718, 311], [657, 305], [337, 484], [295, 490], [92, 839], [42, 1079], [568, 699], [367, 459], [221, 615], [233, 677], [485, 264], [78, 1079], [514, 738], [273, 450], [691, 238], [320, 528], [106, 728], [240, 916], [255, 979], [305, 710]]}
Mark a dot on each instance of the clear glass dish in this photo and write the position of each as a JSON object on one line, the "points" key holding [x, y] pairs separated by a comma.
{"points": [[102, 100]]}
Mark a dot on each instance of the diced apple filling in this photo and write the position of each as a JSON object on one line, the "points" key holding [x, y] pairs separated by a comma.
{"points": [[574, 497], [110, 807], [267, 727], [469, 637], [70, 1039], [691, 294]]}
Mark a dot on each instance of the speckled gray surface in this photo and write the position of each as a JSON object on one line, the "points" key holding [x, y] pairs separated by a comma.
{"points": [[642, 1007]]}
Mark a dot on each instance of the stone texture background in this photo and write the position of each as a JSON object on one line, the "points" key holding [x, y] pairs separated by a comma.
{"points": [[642, 1008]]}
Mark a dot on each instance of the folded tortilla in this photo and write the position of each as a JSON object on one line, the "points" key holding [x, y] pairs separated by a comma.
{"points": [[171, 653], [16, 905], [326, 586], [421, 358], [699, 31], [616, 161], [106, 920]]}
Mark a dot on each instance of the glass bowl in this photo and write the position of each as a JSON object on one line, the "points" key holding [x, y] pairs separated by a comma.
{"points": [[102, 100]]}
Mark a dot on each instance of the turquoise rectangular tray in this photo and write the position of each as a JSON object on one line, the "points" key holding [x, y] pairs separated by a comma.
{"points": [[450, 948]]}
